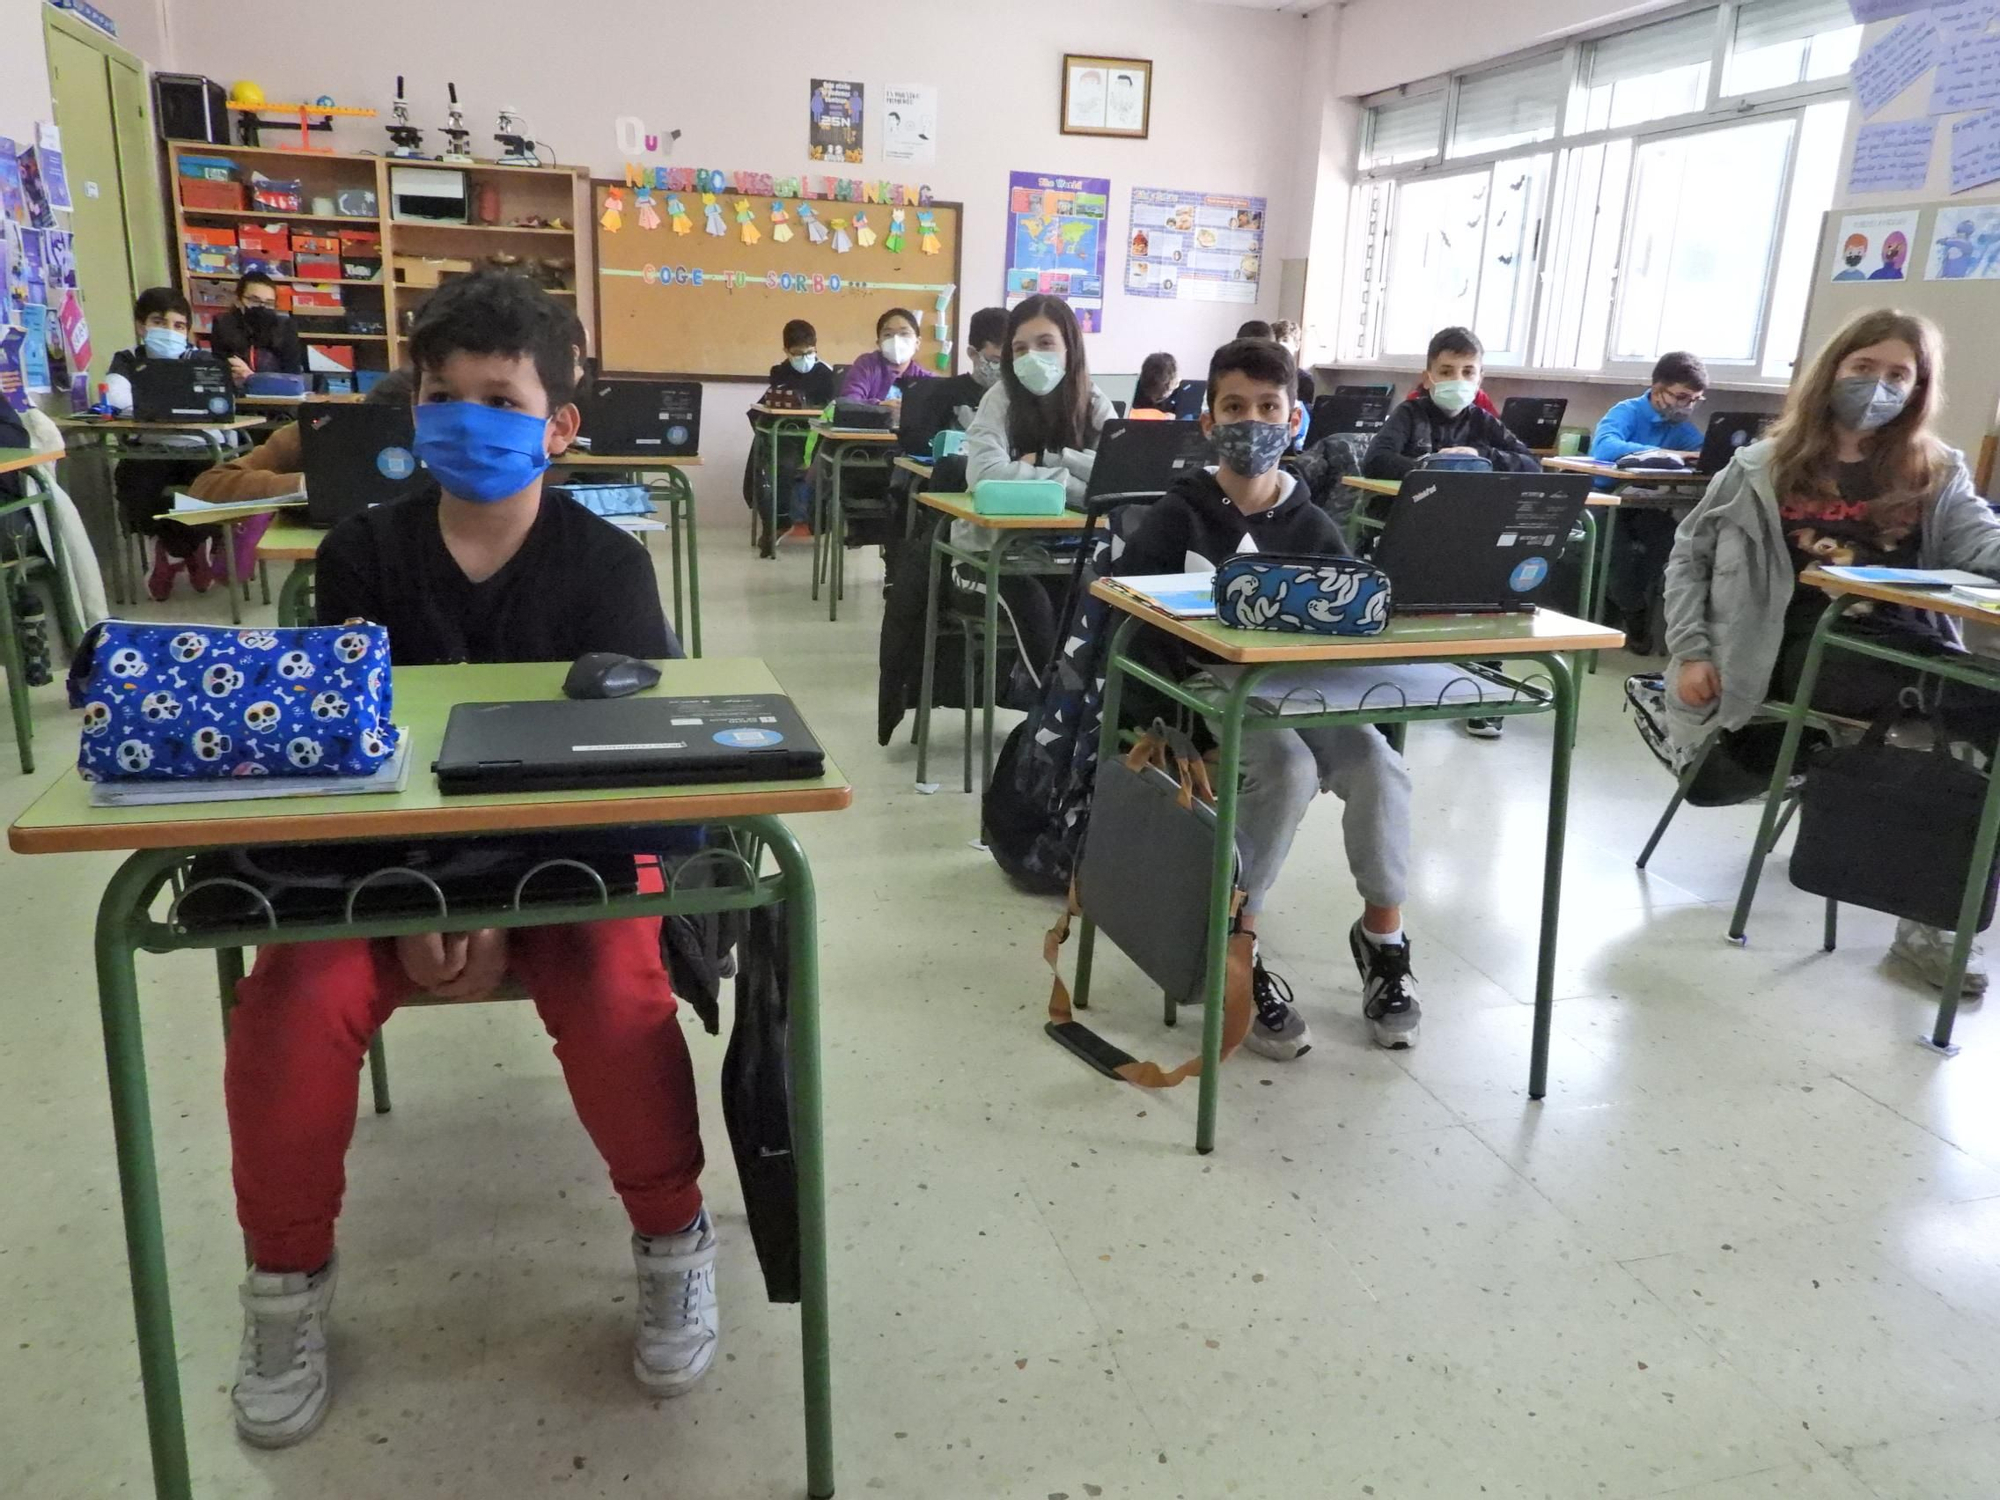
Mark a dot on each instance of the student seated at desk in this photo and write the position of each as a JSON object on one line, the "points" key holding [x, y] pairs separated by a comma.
{"points": [[1293, 339], [800, 371], [161, 316], [483, 568], [1248, 504], [1159, 378], [1850, 474], [254, 338], [1661, 418], [985, 341], [1040, 422], [880, 374]]}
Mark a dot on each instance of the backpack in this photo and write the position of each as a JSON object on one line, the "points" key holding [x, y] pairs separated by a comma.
{"points": [[1035, 812]]}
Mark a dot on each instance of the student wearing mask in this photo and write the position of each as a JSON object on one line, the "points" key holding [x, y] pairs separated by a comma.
{"points": [[1662, 418], [1246, 503], [984, 337], [1293, 338], [880, 374], [254, 338], [1851, 472], [1040, 421], [1159, 378], [801, 371], [802, 374]]}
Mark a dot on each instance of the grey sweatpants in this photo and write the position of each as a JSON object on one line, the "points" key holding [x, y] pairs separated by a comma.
{"points": [[1283, 769]]}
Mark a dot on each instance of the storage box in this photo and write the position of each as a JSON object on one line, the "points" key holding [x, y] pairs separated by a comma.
{"points": [[276, 195], [210, 252], [361, 270], [264, 239], [360, 202], [315, 244], [276, 267], [317, 268], [330, 357], [361, 242], [336, 385], [203, 193], [213, 168], [315, 299]]}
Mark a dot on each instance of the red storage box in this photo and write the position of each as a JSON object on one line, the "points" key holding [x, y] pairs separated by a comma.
{"points": [[326, 358], [267, 241], [315, 244], [317, 267], [200, 193], [361, 242], [315, 299]]}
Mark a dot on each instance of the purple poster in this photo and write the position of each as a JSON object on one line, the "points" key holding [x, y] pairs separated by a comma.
{"points": [[1055, 241]]}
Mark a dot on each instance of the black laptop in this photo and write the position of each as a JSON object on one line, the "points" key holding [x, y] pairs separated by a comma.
{"points": [[649, 740], [1535, 420], [640, 418], [1472, 543], [355, 456], [182, 390], [1141, 458], [927, 411], [1350, 415], [1728, 431]]}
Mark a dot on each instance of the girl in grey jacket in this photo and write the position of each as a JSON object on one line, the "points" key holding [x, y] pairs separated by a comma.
{"points": [[1851, 474]]}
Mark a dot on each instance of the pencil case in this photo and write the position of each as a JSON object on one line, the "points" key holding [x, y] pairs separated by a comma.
{"points": [[1302, 594], [1019, 497], [200, 703], [948, 444]]}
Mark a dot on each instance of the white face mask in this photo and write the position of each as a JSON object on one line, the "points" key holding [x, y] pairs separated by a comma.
{"points": [[803, 363], [899, 348], [1453, 396], [1040, 370]]}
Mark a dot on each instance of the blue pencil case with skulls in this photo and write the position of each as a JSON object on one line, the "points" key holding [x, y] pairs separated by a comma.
{"points": [[208, 702], [1304, 595]]}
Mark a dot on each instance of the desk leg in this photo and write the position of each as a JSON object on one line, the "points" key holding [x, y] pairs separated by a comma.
{"points": [[1788, 752], [836, 537], [930, 664], [17, 678], [1107, 746], [996, 556], [225, 542], [693, 564], [66, 615], [819, 513], [674, 563], [1565, 689], [771, 483], [293, 594], [1221, 886], [815, 1333], [1596, 559], [1968, 912], [139, 1189]]}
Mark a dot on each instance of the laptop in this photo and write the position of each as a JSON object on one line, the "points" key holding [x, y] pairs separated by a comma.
{"points": [[182, 390], [1728, 431], [1472, 543], [1365, 390], [640, 418], [1350, 415], [1141, 458], [1535, 420], [649, 740], [357, 456], [927, 411], [1188, 399]]}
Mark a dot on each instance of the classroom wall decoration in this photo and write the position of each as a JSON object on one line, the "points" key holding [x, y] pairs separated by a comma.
{"points": [[909, 123], [1055, 241], [39, 308], [1975, 151], [1204, 247], [1887, 67], [834, 129], [1874, 247], [1892, 157], [1107, 96], [1965, 244]]}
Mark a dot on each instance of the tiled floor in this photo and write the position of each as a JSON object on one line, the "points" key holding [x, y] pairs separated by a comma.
{"points": [[1749, 1246]]}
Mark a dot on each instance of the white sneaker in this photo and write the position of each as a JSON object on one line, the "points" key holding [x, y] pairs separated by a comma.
{"points": [[678, 1323], [1928, 951], [1277, 1031], [282, 1385]]}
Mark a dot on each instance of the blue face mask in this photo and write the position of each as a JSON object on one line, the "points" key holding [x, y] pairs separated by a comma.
{"points": [[165, 343], [481, 453]]}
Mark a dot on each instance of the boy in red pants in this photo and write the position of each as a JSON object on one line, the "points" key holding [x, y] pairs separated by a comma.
{"points": [[484, 568]]}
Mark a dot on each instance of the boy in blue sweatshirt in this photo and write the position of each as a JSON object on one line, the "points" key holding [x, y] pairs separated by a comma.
{"points": [[1662, 418]]}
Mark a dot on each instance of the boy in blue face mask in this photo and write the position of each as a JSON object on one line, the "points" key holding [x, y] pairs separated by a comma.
{"points": [[486, 567], [1662, 418], [1246, 503]]}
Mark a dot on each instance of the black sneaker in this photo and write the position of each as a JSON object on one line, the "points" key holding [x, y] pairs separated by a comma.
{"points": [[1388, 990], [1481, 729], [1279, 1031]]}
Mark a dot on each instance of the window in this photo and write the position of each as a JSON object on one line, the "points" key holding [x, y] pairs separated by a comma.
{"points": [[1648, 74], [1780, 43], [1404, 130], [1507, 107], [1583, 254], [1461, 250]]}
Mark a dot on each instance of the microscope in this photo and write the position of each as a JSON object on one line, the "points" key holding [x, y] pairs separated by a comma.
{"points": [[405, 140], [458, 138], [516, 149]]}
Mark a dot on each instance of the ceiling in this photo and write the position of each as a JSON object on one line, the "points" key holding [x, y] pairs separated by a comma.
{"points": [[1279, 7]]}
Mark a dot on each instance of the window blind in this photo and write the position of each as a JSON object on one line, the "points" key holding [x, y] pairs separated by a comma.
{"points": [[1405, 129], [1508, 106], [1679, 43], [1772, 23]]}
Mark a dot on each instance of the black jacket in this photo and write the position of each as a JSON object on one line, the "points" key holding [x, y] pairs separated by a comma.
{"points": [[816, 387], [1418, 428], [1195, 520], [278, 352]]}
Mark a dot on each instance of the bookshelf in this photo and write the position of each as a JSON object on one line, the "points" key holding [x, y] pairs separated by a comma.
{"points": [[414, 255]]}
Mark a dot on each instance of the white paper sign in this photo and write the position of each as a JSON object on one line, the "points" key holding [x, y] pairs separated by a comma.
{"points": [[909, 123]]}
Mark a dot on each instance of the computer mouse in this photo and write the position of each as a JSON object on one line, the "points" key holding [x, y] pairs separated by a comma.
{"points": [[606, 674]]}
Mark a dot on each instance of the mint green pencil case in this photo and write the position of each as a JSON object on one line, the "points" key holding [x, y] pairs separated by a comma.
{"points": [[1019, 497]]}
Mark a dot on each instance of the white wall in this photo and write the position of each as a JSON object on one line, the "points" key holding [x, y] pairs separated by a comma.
{"points": [[1384, 43], [1913, 104], [24, 69]]}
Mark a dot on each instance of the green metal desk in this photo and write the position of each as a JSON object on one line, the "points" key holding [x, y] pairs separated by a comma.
{"points": [[865, 449], [1973, 670], [772, 425], [671, 482], [1681, 488], [11, 659], [162, 839], [1009, 532], [1542, 638], [229, 517]]}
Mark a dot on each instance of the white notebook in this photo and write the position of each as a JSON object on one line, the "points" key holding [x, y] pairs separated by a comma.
{"points": [[392, 776]]}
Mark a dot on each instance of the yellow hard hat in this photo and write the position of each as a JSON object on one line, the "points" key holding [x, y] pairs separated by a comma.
{"points": [[243, 91]]}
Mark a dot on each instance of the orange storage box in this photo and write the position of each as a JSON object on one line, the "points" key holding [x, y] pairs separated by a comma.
{"points": [[265, 241], [201, 193]]}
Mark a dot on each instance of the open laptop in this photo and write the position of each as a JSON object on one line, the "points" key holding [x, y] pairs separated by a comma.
{"points": [[1385, 389], [357, 456], [1141, 458], [1472, 543], [640, 418], [1188, 399], [1350, 415], [1728, 431], [182, 390], [927, 411], [1535, 420], [648, 740]]}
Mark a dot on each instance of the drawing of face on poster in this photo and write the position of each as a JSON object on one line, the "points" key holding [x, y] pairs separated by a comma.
{"points": [[1853, 251], [1873, 247], [1895, 251], [1125, 103], [1086, 97]]}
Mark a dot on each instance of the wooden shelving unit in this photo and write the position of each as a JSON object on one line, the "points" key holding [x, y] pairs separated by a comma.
{"points": [[521, 192]]}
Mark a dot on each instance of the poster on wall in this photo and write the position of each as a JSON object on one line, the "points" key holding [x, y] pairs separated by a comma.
{"points": [[1205, 247], [1965, 243], [909, 123], [1055, 241], [75, 331], [835, 130], [35, 349], [48, 142], [12, 204], [1874, 247]]}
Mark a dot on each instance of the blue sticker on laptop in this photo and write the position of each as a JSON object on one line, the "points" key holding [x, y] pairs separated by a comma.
{"points": [[1528, 574], [677, 434], [396, 463], [749, 739]]}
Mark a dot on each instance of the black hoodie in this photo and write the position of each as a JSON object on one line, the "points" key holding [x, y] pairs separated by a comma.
{"points": [[1420, 427], [1194, 525]]}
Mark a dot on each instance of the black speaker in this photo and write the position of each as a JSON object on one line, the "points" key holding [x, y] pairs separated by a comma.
{"points": [[189, 107]]}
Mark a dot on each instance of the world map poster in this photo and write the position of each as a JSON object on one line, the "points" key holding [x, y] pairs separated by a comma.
{"points": [[1055, 241]]}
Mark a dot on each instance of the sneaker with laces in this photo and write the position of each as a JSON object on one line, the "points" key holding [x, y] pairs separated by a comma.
{"points": [[1388, 990], [1928, 951], [282, 1384], [160, 582], [1278, 1030], [678, 1322], [1481, 729]]}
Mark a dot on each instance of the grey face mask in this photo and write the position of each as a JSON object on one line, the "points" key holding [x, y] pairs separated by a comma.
{"points": [[1861, 403], [1250, 448]]}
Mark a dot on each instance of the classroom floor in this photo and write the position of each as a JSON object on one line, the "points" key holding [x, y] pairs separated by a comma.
{"points": [[1748, 1246]]}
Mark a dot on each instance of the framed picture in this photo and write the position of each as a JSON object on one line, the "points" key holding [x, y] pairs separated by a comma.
{"points": [[1107, 96]]}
